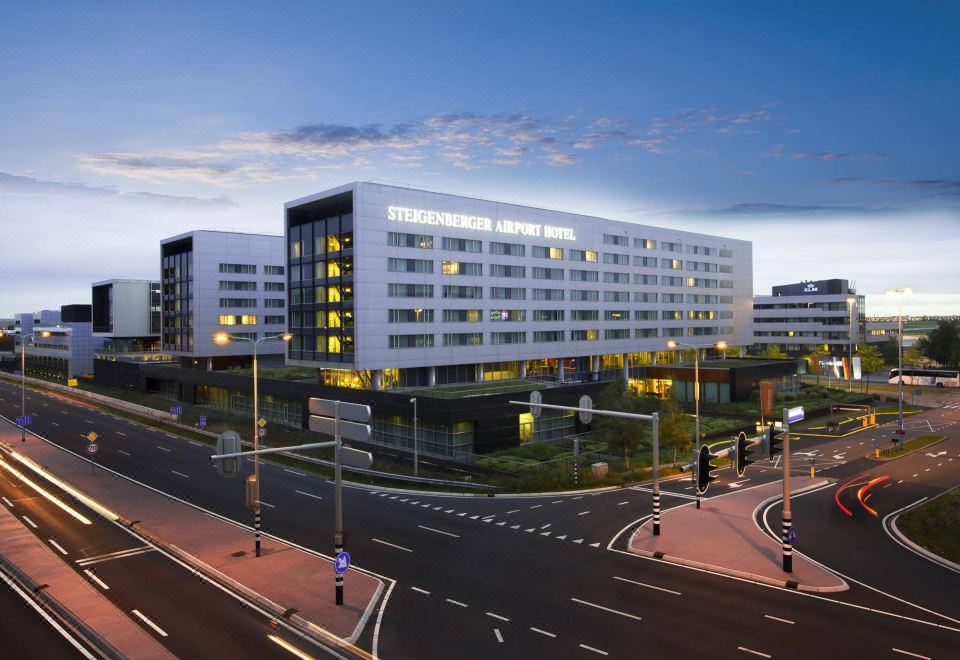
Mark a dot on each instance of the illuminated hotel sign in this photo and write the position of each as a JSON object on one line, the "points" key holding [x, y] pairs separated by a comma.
{"points": [[478, 223]]}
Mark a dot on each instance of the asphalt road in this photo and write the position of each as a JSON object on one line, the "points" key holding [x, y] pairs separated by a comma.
{"points": [[26, 633], [141, 580], [532, 572]]}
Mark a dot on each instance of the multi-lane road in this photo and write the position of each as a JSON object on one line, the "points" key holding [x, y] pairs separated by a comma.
{"points": [[546, 576]]}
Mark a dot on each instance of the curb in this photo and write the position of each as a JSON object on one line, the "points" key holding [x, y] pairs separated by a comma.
{"points": [[920, 550], [750, 577], [912, 451]]}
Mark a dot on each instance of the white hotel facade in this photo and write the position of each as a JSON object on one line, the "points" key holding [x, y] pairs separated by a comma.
{"points": [[397, 287]]}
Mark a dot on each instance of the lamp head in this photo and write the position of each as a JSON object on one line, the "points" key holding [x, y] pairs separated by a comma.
{"points": [[221, 338], [671, 344], [45, 333], [286, 337], [721, 345]]}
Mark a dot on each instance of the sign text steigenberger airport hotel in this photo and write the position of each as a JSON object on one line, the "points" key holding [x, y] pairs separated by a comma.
{"points": [[478, 223]]}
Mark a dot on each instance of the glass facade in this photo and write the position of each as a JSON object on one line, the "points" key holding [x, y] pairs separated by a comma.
{"points": [[176, 284]]}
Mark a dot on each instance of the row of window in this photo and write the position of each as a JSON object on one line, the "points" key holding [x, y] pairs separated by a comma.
{"points": [[252, 302], [422, 241], [251, 319], [240, 285], [428, 340], [250, 269], [323, 244], [401, 290], [520, 315]]}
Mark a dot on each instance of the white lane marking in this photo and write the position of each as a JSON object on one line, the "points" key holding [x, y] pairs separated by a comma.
{"points": [[606, 609], [192, 442], [461, 515], [776, 618], [398, 547], [536, 506], [496, 631], [88, 421], [590, 648], [122, 554], [438, 531], [392, 498], [514, 511], [542, 632], [170, 435], [648, 586], [514, 526], [422, 591], [93, 577], [456, 602], [448, 511], [915, 655], [529, 530], [150, 623], [497, 616], [163, 449], [125, 453], [30, 601], [57, 546], [545, 526], [9, 503], [121, 433], [595, 545], [299, 474], [271, 506], [308, 494], [557, 502], [501, 523], [474, 517], [437, 508], [583, 513], [579, 541], [622, 503], [546, 533], [181, 474], [55, 424], [746, 650], [32, 524], [578, 497]]}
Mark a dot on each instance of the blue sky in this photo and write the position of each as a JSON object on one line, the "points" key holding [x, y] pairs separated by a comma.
{"points": [[824, 132]]}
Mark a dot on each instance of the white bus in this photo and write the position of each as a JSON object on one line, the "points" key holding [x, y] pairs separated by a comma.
{"points": [[931, 377]]}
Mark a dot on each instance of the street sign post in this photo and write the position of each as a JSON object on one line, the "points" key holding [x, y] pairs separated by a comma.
{"points": [[794, 415], [24, 420], [93, 448], [262, 433], [261, 422], [792, 535], [92, 436], [342, 563], [176, 411], [202, 421]]}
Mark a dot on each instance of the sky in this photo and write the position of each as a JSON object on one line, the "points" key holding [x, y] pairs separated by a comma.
{"points": [[824, 132]]}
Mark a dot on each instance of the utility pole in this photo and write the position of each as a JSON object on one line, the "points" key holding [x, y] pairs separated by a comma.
{"points": [[338, 500]]}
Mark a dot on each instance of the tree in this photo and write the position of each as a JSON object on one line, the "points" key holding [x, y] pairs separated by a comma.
{"points": [[813, 360], [773, 352], [913, 357], [890, 349], [621, 434], [870, 360], [731, 351], [673, 428], [942, 345]]}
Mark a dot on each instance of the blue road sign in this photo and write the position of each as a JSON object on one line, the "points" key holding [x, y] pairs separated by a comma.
{"points": [[17, 372], [792, 535], [24, 420], [203, 420], [876, 443], [342, 563], [176, 410]]}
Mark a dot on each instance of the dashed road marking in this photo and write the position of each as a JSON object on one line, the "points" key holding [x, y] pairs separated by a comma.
{"points": [[606, 609], [422, 591], [103, 585], [438, 531], [590, 648], [761, 654], [496, 631], [9, 503], [392, 545], [30, 522], [542, 632], [583, 513], [163, 449], [776, 618], [125, 453], [150, 623], [316, 497], [536, 506], [648, 586], [456, 602], [57, 546], [914, 655], [497, 616], [514, 511], [181, 474], [622, 503], [299, 474]]}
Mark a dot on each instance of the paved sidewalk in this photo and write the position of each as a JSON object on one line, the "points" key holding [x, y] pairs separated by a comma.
{"points": [[33, 558], [284, 578], [723, 537]]}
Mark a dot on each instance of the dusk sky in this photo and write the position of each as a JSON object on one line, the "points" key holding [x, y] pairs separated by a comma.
{"points": [[826, 133]]}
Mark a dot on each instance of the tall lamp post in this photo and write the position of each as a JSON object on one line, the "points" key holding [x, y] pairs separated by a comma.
{"points": [[850, 303], [413, 400], [24, 340], [223, 338], [900, 293], [696, 385]]}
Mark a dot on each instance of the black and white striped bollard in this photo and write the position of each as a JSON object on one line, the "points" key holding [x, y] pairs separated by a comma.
{"points": [[787, 546]]}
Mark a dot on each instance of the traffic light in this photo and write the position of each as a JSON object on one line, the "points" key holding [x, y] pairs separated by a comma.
{"points": [[705, 469], [773, 441], [228, 442], [743, 452]]}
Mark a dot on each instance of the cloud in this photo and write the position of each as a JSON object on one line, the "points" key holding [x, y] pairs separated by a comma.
{"points": [[776, 151], [819, 155], [13, 184], [934, 186], [495, 139]]}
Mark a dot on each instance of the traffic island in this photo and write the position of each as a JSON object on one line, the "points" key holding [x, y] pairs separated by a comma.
{"points": [[723, 537], [287, 581]]}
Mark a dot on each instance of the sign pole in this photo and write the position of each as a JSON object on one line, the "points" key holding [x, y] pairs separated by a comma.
{"points": [[338, 486], [655, 428], [787, 517], [576, 462]]}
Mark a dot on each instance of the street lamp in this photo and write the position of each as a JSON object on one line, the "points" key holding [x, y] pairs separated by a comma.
{"points": [[900, 293], [696, 385], [23, 373], [224, 338], [415, 456], [850, 303]]}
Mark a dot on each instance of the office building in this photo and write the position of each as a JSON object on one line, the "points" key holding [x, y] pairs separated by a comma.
{"points": [[126, 313], [64, 350], [216, 281], [825, 314]]}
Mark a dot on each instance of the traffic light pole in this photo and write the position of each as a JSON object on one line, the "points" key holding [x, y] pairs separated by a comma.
{"points": [[787, 517]]}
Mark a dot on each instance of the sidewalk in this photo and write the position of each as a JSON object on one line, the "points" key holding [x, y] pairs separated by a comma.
{"points": [[36, 560], [284, 579], [722, 537]]}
